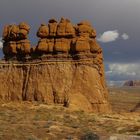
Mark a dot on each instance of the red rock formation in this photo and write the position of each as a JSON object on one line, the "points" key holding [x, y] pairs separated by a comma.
{"points": [[15, 40], [94, 46], [5, 32], [85, 29], [62, 45], [10, 34], [71, 71], [50, 45], [24, 29], [82, 44], [25, 46], [52, 27], [42, 46], [10, 48], [65, 28], [43, 31]]}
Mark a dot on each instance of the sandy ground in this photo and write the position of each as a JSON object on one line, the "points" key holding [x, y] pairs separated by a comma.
{"points": [[37, 121]]}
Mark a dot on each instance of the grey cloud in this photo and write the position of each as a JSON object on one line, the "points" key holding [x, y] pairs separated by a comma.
{"points": [[125, 36], [123, 71], [110, 36], [115, 83], [1, 44]]}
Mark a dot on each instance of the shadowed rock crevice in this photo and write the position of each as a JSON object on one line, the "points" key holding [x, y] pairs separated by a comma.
{"points": [[25, 81]]}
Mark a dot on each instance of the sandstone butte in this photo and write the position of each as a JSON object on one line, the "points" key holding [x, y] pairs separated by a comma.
{"points": [[132, 83], [65, 67]]}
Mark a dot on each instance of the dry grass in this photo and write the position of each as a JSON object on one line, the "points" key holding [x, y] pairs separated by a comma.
{"points": [[36, 121], [125, 99]]}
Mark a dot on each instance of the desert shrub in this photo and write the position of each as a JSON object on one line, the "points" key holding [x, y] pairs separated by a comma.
{"points": [[90, 136]]}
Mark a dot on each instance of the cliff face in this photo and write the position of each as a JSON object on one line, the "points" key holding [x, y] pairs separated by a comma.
{"points": [[76, 84]]}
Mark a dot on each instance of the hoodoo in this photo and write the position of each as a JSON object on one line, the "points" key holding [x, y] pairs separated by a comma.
{"points": [[65, 67], [15, 39]]}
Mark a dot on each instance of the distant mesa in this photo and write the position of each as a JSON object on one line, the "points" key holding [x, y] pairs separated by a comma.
{"points": [[132, 83]]}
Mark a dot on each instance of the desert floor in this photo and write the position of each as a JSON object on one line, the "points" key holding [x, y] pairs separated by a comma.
{"points": [[37, 121]]}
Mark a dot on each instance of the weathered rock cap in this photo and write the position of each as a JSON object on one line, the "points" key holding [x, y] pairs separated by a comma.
{"points": [[65, 28], [5, 32], [43, 31], [24, 25], [84, 28], [52, 27], [23, 46], [9, 48], [24, 29], [84, 22], [52, 20], [10, 32], [15, 32]]}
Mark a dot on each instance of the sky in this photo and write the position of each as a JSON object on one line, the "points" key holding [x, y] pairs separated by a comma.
{"points": [[116, 22]]}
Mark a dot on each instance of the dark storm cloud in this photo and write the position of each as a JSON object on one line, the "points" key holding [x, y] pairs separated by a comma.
{"points": [[105, 15]]}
